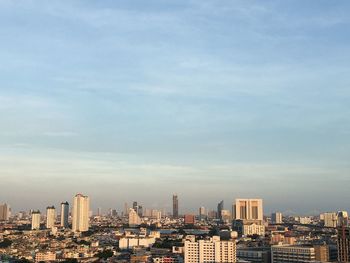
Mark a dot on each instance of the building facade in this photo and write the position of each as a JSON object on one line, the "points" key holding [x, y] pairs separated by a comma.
{"points": [[50, 216], [64, 214], [81, 208]]}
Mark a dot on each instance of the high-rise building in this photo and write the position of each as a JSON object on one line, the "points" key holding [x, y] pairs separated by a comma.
{"points": [[220, 208], [36, 218], [4, 212], [81, 208], [126, 209], [134, 219], [175, 206], [64, 214], [248, 209], [330, 219], [343, 237], [202, 213], [296, 254], [212, 250], [50, 216], [135, 206], [248, 216], [276, 218], [99, 211]]}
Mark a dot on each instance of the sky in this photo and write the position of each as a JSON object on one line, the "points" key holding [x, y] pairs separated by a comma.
{"points": [[213, 100]]}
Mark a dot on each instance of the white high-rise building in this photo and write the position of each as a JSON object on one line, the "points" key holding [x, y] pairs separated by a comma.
{"points": [[50, 216], [330, 219], [64, 214], [4, 212], [81, 208], [212, 250], [134, 219], [248, 209], [36, 218], [276, 218]]}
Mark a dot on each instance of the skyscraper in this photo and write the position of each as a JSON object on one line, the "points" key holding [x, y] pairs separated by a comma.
{"points": [[36, 218], [175, 206], [50, 216], [134, 219], [81, 208], [248, 209], [64, 214], [4, 212], [202, 213], [276, 218], [343, 238], [220, 208]]}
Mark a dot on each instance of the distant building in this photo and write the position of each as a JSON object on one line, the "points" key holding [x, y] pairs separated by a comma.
{"points": [[293, 254], [189, 219], [212, 250], [4, 212], [50, 216], [202, 214], [36, 218], [134, 219], [45, 256], [220, 208], [64, 214], [175, 206], [276, 218], [254, 255], [248, 209], [81, 208], [248, 217]]}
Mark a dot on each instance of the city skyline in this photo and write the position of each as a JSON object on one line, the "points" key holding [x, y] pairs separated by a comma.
{"points": [[212, 101]]}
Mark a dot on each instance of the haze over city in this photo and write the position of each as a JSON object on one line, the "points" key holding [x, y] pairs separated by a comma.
{"points": [[212, 100]]}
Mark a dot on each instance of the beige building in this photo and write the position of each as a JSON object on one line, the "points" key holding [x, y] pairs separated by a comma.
{"points": [[81, 207], [212, 250], [4, 212], [134, 219], [248, 209], [50, 216], [45, 256], [36, 218]]}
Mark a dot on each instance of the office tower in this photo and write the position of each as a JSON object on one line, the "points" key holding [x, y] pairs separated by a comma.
{"points": [[343, 237], [64, 214], [175, 206], [140, 211], [220, 208], [126, 209], [36, 218], [226, 216], [50, 216], [4, 212], [212, 250], [135, 206], [330, 219], [202, 213], [248, 209], [99, 211], [248, 217], [134, 219], [276, 218], [81, 208], [189, 219]]}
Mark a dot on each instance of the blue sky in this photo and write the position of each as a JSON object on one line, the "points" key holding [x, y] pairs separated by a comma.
{"points": [[136, 100]]}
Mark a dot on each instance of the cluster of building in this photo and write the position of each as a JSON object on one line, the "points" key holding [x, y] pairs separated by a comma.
{"points": [[242, 234]]}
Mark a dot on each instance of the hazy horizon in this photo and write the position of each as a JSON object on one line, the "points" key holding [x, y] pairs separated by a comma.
{"points": [[127, 101]]}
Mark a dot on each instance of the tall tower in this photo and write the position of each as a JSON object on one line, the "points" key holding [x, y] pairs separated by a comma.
{"points": [[343, 239], [248, 209], [36, 220], [81, 208], [4, 212], [175, 206], [50, 216], [220, 208], [64, 214]]}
